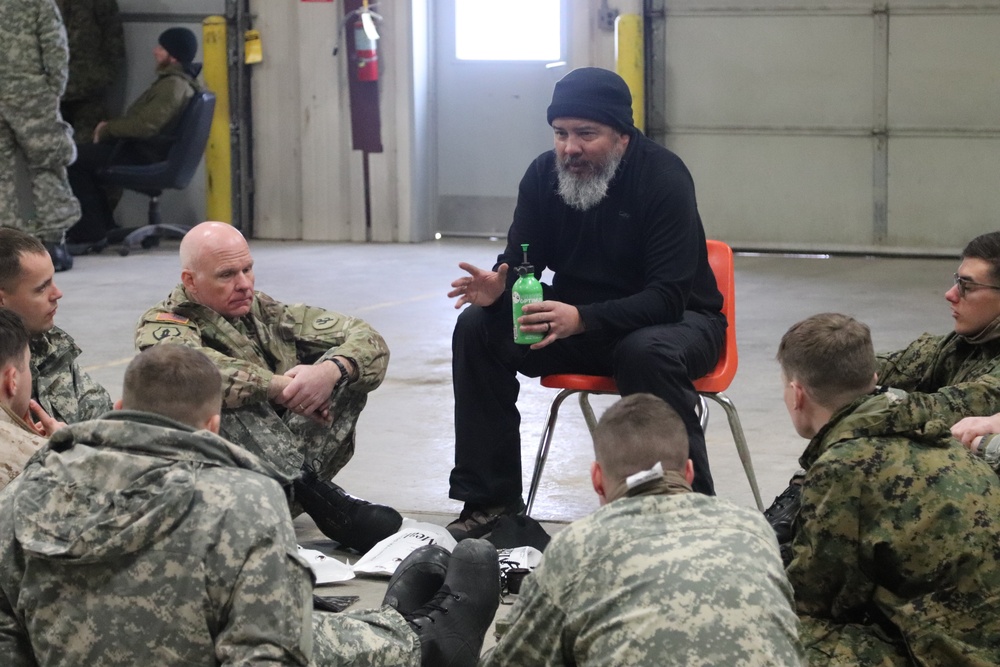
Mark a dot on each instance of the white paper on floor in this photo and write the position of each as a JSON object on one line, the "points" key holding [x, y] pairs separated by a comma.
{"points": [[327, 569], [385, 557]]}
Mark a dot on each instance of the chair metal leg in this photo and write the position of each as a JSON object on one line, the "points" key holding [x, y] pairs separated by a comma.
{"points": [[588, 412], [703, 412], [543, 446], [741, 442]]}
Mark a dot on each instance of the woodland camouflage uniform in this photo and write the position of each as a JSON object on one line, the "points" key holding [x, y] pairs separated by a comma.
{"points": [[96, 60], [896, 554], [271, 339]]}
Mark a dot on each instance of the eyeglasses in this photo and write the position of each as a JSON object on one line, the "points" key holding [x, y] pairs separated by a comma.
{"points": [[965, 286]]}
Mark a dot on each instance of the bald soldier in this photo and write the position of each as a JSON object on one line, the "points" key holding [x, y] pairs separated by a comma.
{"points": [[294, 377]]}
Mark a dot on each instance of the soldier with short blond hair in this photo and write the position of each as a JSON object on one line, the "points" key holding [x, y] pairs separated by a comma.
{"points": [[894, 553]]}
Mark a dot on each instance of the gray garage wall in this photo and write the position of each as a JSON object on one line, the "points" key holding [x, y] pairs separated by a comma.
{"points": [[836, 125]]}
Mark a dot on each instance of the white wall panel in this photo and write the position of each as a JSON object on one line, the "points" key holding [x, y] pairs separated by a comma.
{"points": [[277, 135], [781, 192], [775, 71], [944, 72], [943, 190]]}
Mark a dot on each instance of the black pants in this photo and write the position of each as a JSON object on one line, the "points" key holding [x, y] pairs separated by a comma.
{"points": [[97, 200], [660, 360]]}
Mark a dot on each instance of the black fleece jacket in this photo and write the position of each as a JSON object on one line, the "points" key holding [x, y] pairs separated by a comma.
{"points": [[636, 259]]}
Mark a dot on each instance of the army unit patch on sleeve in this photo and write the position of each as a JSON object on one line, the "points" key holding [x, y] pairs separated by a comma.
{"points": [[170, 317], [324, 322]]}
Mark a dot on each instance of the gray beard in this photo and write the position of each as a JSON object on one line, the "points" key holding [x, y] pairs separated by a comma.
{"points": [[585, 191]]}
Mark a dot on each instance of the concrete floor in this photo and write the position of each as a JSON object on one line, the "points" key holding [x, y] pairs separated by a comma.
{"points": [[404, 449]]}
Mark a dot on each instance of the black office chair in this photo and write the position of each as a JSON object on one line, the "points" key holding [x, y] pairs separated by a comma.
{"points": [[173, 173]]}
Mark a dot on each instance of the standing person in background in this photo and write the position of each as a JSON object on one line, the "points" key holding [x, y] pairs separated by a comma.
{"points": [[34, 62], [96, 61]]}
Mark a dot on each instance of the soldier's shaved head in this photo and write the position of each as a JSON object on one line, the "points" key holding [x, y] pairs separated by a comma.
{"points": [[174, 381], [635, 434], [206, 238], [217, 269]]}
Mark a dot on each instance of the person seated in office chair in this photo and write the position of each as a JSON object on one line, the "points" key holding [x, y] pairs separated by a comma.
{"points": [[894, 553], [146, 126]]}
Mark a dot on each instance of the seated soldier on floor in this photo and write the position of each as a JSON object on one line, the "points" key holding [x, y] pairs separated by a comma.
{"points": [[956, 374], [18, 438], [295, 377], [146, 539], [896, 547], [658, 575], [28, 288]]}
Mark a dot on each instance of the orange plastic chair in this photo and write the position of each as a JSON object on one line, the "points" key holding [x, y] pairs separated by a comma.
{"points": [[720, 257]]}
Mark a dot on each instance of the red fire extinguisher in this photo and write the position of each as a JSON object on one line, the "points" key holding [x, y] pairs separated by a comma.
{"points": [[365, 54]]}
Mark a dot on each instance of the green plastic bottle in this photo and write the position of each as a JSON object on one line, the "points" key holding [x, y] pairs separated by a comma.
{"points": [[526, 290]]}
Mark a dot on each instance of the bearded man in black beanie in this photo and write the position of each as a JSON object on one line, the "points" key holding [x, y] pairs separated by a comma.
{"points": [[147, 126], [614, 216]]}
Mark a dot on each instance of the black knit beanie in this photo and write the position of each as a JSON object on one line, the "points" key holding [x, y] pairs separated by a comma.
{"points": [[595, 94], [180, 43]]}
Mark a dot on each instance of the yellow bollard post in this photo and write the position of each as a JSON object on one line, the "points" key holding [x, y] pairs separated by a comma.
{"points": [[630, 63], [218, 153]]}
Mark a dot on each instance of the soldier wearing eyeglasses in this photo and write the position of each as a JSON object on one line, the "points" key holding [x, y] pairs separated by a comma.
{"points": [[956, 375]]}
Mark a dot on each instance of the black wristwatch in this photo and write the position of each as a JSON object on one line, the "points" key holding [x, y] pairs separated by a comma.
{"points": [[345, 377]]}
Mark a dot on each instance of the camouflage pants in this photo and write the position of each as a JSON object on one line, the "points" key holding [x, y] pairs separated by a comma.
{"points": [[830, 644], [373, 638], [30, 122], [289, 441]]}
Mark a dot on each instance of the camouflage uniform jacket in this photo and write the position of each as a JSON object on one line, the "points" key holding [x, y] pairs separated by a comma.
{"points": [[135, 540], [36, 56], [17, 444], [63, 388], [96, 46], [154, 111], [685, 579], [271, 339], [896, 554], [950, 366]]}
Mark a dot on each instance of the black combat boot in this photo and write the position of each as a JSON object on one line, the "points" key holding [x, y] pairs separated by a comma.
{"points": [[781, 515], [352, 522], [61, 259], [452, 626], [417, 579]]}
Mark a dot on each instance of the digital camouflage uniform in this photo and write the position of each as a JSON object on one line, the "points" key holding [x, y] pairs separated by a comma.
{"points": [[58, 383], [950, 366], [896, 554], [96, 59], [137, 541], [33, 70], [271, 339], [681, 579], [17, 444]]}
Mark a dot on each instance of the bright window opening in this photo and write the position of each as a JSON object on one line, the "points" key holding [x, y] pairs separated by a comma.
{"points": [[508, 30]]}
